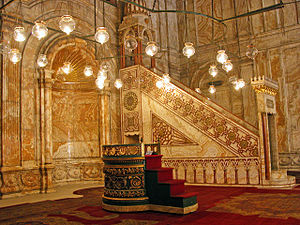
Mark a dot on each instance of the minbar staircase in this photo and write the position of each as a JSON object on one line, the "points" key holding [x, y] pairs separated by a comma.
{"points": [[165, 193]]}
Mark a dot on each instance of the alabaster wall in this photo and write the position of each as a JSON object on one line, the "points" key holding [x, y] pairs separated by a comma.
{"points": [[51, 133], [275, 34]]}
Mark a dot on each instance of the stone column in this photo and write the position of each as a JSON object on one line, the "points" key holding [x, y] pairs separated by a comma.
{"points": [[266, 89], [46, 164], [11, 157], [105, 116]]}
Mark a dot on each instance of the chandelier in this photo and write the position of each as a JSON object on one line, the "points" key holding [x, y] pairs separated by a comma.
{"points": [[19, 34], [188, 49], [102, 35], [39, 30], [67, 24], [42, 60], [15, 55]]}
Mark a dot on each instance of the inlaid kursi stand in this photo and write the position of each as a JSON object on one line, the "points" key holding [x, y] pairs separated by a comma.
{"points": [[129, 187]]}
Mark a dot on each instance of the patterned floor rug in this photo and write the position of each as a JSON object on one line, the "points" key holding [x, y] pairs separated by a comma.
{"points": [[217, 205]]}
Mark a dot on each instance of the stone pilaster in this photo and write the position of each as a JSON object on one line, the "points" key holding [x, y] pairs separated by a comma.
{"points": [[46, 165], [105, 130], [266, 90]]}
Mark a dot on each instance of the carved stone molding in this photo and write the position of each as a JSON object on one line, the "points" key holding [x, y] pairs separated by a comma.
{"points": [[289, 160]]}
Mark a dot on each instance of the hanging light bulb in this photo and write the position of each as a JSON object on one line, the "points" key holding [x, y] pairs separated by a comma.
{"points": [[105, 66], [227, 66], [159, 84], [213, 71], [99, 82], [118, 83], [39, 30], [188, 49], [102, 35], [241, 83], [42, 60], [15, 55], [130, 43], [67, 24], [102, 75], [251, 51], [151, 48], [166, 78], [238, 84], [222, 57], [88, 71], [212, 89], [67, 68], [19, 34]]}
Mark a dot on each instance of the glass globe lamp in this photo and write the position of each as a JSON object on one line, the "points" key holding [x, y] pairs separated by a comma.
{"points": [[15, 55], [130, 43], [67, 68], [118, 83], [102, 36], [39, 30], [236, 85], [159, 84], [19, 34], [188, 49], [42, 60], [222, 56], [212, 89], [67, 24], [102, 75], [88, 71], [227, 66], [241, 83], [99, 82], [166, 78], [251, 51], [213, 71], [151, 48]]}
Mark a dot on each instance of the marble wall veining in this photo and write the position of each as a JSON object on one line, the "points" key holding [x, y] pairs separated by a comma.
{"points": [[275, 34]]}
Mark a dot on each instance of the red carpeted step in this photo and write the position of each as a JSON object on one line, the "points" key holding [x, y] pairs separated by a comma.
{"points": [[163, 174], [176, 186], [185, 195], [153, 161]]}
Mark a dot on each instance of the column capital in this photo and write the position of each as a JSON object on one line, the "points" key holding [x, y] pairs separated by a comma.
{"points": [[266, 89], [264, 85]]}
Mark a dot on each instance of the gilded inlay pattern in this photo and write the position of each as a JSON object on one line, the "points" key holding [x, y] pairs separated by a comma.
{"points": [[165, 134], [131, 122], [123, 171], [130, 80], [232, 136], [265, 90], [124, 193], [119, 150], [130, 101]]}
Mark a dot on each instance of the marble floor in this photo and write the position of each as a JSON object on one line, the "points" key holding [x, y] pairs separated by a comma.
{"points": [[61, 192]]}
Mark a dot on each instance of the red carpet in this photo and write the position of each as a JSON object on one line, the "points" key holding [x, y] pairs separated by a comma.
{"points": [[217, 205]]}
